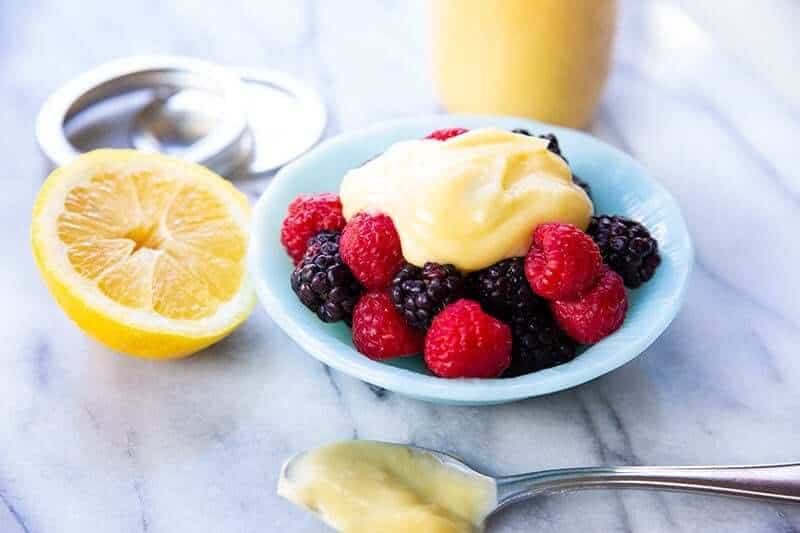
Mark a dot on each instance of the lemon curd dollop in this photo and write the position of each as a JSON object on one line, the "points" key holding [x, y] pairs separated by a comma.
{"points": [[471, 200]]}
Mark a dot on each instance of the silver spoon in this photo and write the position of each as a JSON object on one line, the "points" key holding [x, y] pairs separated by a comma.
{"points": [[776, 482]]}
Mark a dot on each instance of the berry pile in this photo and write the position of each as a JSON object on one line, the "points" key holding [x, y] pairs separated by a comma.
{"points": [[518, 316]]}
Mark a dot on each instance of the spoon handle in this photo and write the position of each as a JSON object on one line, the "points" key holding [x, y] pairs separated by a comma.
{"points": [[772, 482]]}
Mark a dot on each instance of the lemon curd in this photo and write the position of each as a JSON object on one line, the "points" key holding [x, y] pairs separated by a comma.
{"points": [[472, 200], [546, 59], [364, 487]]}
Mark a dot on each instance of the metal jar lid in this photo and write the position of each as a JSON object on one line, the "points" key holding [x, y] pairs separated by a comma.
{"points": [[238, 123]]}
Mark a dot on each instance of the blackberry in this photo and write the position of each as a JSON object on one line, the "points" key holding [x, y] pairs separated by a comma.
{"points": [[420, 293], [537, 343], [321, 238], [552, 140], [583, 185], [553, 146], [502, 289], [323, 282], [627, 247]]}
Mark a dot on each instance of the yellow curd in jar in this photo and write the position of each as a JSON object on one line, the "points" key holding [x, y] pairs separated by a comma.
{"points": [[545, 59]]}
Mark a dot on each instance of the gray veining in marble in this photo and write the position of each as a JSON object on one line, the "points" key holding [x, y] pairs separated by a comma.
{"points": [[93, 441]]}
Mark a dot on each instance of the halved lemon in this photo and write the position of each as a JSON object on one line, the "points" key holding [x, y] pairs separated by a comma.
{"points": [[146, 253]]}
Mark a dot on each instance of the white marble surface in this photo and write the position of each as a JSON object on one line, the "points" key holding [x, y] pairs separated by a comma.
{"points": [[94, 441]]}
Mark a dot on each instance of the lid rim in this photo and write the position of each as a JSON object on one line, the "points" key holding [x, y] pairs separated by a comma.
{"points": [[217, 150]]}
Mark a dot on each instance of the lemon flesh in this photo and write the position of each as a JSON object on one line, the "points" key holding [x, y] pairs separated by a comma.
{"points": [[146, 253]]}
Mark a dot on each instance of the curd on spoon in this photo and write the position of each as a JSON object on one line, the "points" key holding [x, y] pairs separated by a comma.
{"points": [[365, 486]]}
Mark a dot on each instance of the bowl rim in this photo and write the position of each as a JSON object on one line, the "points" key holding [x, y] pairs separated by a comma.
{"points": [[465, 390]]}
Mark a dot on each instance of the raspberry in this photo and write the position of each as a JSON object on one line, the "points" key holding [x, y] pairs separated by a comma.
{"points": [[502, 289], [447, 133], [323, 282], [627, 247], [597, 312], [562, 261], [538, 343], [379, 331], [370, 246], [420, 293], [465, 342], [308, 215]]}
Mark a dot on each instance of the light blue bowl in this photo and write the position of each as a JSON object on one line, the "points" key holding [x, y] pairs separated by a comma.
{"points": [[619, 186]]}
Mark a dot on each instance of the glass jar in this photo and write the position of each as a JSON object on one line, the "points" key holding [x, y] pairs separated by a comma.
{"points": [[544, 59]]}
